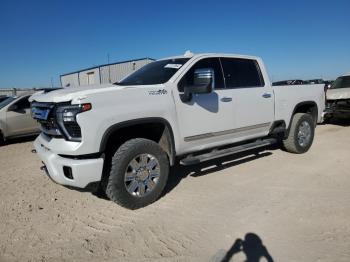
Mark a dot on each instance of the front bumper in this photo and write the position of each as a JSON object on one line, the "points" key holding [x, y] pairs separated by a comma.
{"points": [[83, 171], [337, 107]]}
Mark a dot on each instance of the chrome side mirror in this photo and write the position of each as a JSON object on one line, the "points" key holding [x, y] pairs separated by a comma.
{"points": [[203, 83]]}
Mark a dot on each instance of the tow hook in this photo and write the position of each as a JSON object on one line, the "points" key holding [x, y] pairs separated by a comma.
{"points": [[33, 151]]}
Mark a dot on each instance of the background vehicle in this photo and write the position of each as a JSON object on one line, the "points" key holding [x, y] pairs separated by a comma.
{"points": [[314, 81], [2, 98], [193, 108], [338, 98], [288, 82], [15, 118]]}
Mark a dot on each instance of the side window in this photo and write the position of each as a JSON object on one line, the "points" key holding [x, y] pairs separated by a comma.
{"points": [[23, 103], [241, 73], [213, 63]]}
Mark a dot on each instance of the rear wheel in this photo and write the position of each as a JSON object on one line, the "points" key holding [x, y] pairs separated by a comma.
{"points": [[301, 134], [139, 173]]}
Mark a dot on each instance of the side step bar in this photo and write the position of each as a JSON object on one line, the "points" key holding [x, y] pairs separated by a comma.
{"points": [[192, 160]]}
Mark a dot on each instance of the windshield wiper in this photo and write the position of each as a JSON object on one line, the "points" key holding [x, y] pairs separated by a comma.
{"points": [[120, 84]]}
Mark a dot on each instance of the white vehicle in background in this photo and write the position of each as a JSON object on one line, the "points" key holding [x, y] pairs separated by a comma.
{"points": [[15, 118], [338, 98], [125, 136]]}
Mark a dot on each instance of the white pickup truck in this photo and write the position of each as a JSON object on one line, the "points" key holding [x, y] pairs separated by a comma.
{"points": [[192, 108]]}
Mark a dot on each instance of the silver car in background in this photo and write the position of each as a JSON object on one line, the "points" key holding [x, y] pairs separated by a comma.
{"points": [[338, 99], [15, 118]]}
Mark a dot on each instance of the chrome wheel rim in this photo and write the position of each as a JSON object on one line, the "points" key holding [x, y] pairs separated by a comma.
{"points": [[304, 134], [142, 175]]}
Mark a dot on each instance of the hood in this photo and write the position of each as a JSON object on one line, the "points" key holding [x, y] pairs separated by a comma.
{"points": [[338, 93], [72, 93]]}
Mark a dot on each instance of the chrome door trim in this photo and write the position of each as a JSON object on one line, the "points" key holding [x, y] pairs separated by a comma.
{"points": [[226, 132]]}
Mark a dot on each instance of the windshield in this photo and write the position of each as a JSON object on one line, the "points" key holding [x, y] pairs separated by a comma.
{"points": [[341, 82], [6, 101], [157, 72]]}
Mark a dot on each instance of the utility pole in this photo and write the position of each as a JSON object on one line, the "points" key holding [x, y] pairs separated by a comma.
{"points": [[51, 82]]}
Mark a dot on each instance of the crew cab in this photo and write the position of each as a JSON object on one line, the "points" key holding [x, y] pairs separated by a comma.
{"points": [[192, 108]]}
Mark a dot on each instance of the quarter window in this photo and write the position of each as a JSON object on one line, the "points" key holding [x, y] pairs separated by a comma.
{"points": [[23, 103], [241, 73]]}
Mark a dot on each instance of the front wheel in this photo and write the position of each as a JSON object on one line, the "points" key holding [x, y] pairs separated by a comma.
{"points": [[139, 173], [301, 134]]}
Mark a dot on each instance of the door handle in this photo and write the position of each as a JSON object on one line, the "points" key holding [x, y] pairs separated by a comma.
{"points": [[226, 99], [266, 95]]}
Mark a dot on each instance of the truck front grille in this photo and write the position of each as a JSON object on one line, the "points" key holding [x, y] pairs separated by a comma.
{"points": [[44, 113], [52, 122], [73, 129]]}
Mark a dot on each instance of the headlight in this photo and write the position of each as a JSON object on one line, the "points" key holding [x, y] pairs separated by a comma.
{"points": [[67, 120]]}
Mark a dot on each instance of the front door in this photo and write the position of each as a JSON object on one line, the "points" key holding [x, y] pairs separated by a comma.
{"points": [[206, 116], [19, 120]]}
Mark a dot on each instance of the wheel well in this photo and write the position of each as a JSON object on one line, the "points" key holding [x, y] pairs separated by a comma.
{"points": [[158, 131], [309, 107]]}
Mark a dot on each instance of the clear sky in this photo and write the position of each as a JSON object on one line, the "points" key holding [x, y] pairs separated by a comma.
{"points": [[40, 40]]}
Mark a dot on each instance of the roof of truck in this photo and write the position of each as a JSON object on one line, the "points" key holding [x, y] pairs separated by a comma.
{"points": [[191, 55]]}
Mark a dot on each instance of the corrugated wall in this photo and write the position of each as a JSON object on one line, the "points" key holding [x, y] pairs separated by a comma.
{"points": [[17, 91], [116, 72], [103, 74], [89, 77], [70, 80]]}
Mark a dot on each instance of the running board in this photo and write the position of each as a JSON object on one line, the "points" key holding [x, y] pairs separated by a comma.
{"points": [[192, 160]]}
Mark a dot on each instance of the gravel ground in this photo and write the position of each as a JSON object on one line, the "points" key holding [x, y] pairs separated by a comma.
{"points": [[284, 206]]}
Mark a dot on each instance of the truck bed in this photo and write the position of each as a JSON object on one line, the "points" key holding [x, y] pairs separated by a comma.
{"points": [[286, 97]]}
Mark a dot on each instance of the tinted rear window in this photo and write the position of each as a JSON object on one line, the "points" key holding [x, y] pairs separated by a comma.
{"points": [[241, 73]]}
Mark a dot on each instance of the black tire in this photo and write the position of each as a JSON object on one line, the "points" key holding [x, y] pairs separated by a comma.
{"points": [[327, 119], [291, 143], [116, 189], [2, 140]]}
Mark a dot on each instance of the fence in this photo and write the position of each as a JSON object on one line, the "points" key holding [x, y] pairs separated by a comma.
{"points": [[17, 91]]}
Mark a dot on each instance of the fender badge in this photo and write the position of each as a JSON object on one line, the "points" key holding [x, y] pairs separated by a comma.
{"points": [[158, 92]]}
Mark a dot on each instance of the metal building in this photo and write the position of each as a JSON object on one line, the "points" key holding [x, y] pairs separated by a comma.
{"points": [[109, 73]]}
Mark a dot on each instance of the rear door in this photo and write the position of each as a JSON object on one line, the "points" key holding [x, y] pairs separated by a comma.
{"points": [[253, 100], [19, 120]]}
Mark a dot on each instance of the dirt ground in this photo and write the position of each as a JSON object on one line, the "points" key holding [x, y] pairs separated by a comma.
{"points": [[296, 206]]}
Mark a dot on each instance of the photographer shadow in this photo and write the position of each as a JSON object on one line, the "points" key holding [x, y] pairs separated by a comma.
{"points": [[252, 246]]}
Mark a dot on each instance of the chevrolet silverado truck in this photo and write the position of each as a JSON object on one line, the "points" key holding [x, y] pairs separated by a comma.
{"points": [[338, 98], [179, 110]]}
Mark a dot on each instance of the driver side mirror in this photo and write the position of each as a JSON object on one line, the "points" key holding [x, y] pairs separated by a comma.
{"points": [[203, 83]]}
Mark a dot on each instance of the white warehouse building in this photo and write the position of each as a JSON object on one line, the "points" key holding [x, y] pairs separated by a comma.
{"points": [[108, 73]]}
